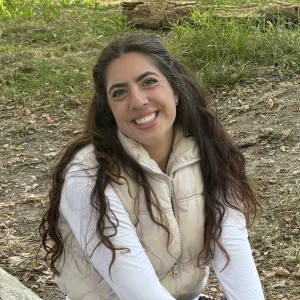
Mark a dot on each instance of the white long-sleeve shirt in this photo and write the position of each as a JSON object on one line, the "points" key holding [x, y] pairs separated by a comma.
{"points": [[132, 274]]}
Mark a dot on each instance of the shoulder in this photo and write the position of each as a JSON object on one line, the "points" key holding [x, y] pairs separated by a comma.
{"points": [[85, 157], [83, 160]]}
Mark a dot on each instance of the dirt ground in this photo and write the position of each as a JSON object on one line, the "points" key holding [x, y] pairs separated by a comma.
{"points": [[262, 116]]}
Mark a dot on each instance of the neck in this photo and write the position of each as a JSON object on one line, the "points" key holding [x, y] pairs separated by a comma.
{"points": [[161, 153]]}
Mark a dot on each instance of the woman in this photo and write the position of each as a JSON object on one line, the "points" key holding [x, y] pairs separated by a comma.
{"points": [[152, 192]]}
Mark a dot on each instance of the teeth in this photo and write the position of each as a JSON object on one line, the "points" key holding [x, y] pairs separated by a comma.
{"points": [[146, 119]]}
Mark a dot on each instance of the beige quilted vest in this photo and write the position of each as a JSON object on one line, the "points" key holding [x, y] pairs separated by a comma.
{"points": [[179, 195]]}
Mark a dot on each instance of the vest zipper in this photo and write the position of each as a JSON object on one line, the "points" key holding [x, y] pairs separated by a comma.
{"points": [[175, 269], [176, 276]]}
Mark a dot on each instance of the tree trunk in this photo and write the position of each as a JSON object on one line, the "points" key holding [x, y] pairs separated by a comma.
{"points": [[12, 289], [157, 14]]}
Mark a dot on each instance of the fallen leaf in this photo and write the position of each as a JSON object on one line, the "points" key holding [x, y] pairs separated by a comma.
{"points": [[27, 276], [50, 154], [286, 133], [7, 204], [283, 148], [50, 282], [270, 274], [267, 241], [288, 216], [37, 265], [20, 147], [48, 120], [283, 170], [270, 103], [281, 271], [3, 226], [14, 260]]}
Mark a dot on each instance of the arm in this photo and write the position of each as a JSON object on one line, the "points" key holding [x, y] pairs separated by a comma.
{"points": [[240, 280], [132, 275]]}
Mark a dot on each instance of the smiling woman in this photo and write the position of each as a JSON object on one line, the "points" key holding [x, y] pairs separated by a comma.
{"points": [[152, 192], [143, 104]]}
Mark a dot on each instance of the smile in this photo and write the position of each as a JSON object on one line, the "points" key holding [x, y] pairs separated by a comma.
{"points": [[146, 120]]}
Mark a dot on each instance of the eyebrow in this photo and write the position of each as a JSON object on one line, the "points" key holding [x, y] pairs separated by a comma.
{"points": [[139, 78]]}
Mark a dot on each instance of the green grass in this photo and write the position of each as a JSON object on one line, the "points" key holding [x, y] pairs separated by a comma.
{"points": [[225, 52], [47, 58], [46, 9], [239, 2], [48, 48]]}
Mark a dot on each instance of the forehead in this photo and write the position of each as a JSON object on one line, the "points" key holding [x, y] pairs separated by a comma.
{"points": [[128, 67]]}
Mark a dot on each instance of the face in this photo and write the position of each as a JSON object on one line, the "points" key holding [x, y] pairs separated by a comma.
{"points": [[141, 100]]}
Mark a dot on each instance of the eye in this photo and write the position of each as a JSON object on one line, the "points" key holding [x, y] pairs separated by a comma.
{"points": [[118, 93], [149, 81]]}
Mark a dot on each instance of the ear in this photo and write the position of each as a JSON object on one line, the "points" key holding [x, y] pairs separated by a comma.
{"points": [[176, 99]]}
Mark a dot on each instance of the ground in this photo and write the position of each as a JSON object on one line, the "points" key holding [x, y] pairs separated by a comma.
{"points": [[262, 116]]}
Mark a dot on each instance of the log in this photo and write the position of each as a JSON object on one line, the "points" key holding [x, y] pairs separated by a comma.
{"points": [[12, 289], [156, 14]]}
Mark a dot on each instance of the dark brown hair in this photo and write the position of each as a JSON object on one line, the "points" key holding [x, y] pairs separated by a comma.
{"points": [[222, 164]]}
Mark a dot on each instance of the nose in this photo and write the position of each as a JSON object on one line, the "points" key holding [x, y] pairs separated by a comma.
{"points": [[137, 98]]}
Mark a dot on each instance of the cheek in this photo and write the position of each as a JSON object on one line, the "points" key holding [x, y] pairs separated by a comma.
{"points": [[113, 108], [118, 114]]}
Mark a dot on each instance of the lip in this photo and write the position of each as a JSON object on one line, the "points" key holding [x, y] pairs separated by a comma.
{"points": [[144, 114], [148, 125]]}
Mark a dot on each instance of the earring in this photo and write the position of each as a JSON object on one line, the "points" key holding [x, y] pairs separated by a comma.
{"points": [[176, 102]]}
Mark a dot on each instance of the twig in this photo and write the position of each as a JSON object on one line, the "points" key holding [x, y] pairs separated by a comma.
{"points": [[30, 163]]}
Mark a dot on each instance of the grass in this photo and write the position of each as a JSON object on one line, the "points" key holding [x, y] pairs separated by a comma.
{"points": [[42, 57], [223, 53], [49, 46], [239, 2]]}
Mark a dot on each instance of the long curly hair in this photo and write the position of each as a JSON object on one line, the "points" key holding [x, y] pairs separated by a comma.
{"points": [[223, 169]]}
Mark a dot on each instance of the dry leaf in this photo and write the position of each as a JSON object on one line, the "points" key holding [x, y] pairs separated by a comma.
{"points": [[281, 271], [270, 103], [32, 197], [270, 274], [288, 216], [48, 120], [50, 154], [3, 226], [267, 241], [286, 133], [14, 260], [27, 276], [283, 148], [50, 282], [7, 204], [283, 170], [37, 266]]}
